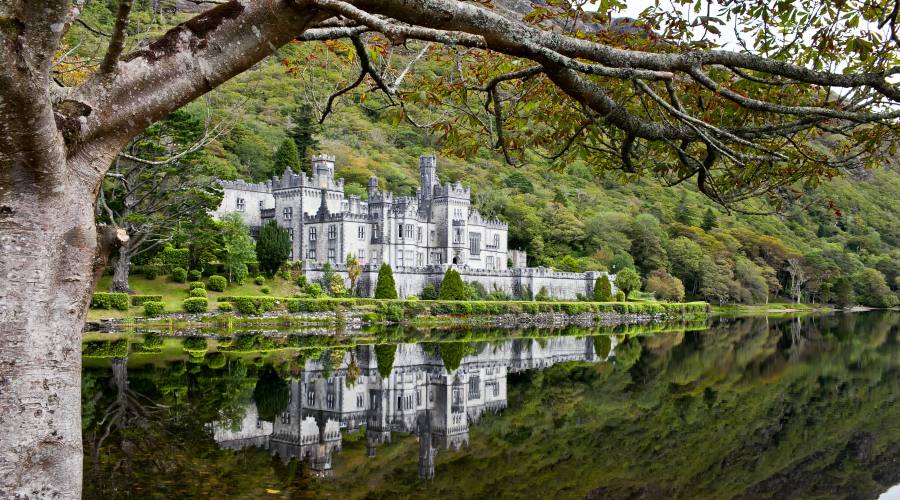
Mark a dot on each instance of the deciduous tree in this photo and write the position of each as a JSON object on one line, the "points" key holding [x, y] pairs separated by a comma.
{"points": [[672, 107]]}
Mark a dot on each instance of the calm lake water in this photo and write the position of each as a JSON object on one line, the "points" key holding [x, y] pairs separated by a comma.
{"points": [[744, 408]]}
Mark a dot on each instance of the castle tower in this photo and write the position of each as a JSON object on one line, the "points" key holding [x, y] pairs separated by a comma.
{"points": [[427, 174], [323, 166]]}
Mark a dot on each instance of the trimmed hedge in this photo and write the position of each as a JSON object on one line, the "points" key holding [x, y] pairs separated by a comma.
{"points": [[198, 292], [153, 309], [249, 304], [226, 307], [217, 283], [394, 310], [139, 300], [195, 305], [105, 349], [179, 275], [194, 275], [105, 300], [193, 285]]}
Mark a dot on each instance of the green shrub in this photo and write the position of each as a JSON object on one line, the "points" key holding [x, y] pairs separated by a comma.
{"points": [[620, 296], [105, 349], [194, 275], [198, 292], [151, 271], [251, 304], [266, 290], [179, 275], [173, 258], [193, 285], [153, 309], [226, 306], [138, 300], [385, 287], [391, 312], [452, 287], [194, 344], [429, 292], [217, 283], [195, 305], [259, 280], [543, 295], [105, 300]]}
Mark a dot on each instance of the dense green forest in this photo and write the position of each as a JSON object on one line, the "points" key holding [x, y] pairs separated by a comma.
{"points": [[836, 242]]}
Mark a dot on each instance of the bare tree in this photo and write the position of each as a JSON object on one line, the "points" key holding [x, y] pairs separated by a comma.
{"points": [[58, 142], [799, 277]]}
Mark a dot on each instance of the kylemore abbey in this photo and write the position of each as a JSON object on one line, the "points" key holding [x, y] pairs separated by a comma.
{"points": [[419, 236]]}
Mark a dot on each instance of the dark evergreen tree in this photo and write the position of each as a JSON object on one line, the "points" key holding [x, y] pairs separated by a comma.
{"points": [[273, 248], [602, 289], [286, 157], [684, 212], [452, 288], [385, 287], [710, 221], [271, 394], [302, 132]]}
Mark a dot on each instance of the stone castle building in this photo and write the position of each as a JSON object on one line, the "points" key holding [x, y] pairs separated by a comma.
{"points": [[420, 396], [418, 236]]}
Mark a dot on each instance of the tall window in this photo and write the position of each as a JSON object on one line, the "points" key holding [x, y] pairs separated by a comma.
{"points": [[311, 253], [475, 243], [241, 204], [331, 255], [311, 398], [474, 387], [399, 230], [329, 400], [291, 233], [490, 261], [361, 232], [261, 204], [332, 232], [409, 231], [419, 234], [374, 232], [288, 213], [457, 235], [359, 400], [312, 234], [496, 241]]}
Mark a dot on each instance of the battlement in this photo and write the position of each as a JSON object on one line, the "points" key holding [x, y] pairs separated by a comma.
{"points": [[456, 190], [242, 185]]}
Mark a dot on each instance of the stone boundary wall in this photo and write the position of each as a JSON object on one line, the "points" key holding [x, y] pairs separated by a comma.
{"points": [[520, 283]]}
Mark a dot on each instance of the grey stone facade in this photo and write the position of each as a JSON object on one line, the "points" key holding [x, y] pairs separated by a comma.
{"points": [[418, 236]]}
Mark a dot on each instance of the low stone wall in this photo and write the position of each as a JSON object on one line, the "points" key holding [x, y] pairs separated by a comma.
{"points": [[520, 283]]}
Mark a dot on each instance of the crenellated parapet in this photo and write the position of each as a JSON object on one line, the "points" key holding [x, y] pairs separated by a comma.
{"points": [[456, 190], [242, 185]]}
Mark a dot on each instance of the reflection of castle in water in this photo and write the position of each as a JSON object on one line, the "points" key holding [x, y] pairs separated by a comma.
{"points": [[420, 396]]}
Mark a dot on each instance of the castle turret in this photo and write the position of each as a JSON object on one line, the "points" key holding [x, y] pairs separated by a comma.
{"points": [[427, 174], [323, 166]]}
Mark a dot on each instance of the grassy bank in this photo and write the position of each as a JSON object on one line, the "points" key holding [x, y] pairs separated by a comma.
{"points": [[771, 309], [248, 302]]}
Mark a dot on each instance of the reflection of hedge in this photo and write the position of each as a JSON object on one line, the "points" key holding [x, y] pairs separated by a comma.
{"points": [[251, 342], [105, 349], [194, 344], [104, 300], [215, 360], [138, 300], [384, 354]]}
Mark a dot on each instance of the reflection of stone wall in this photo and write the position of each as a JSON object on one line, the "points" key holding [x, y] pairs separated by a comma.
{"points": [[420, 396]]}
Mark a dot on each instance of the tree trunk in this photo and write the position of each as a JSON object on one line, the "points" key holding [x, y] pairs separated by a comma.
{"points": [[48, 254], [120, 267]]}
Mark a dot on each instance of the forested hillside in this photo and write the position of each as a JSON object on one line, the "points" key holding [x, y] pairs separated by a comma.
{"points": [[835, 242]]}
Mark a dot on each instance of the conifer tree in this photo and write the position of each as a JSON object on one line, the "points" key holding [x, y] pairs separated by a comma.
{"points": [[710, 221], [302, 132], [452, 288], [602, 289], [684, 212], [385, 287], [286, 157], [273, 248]]}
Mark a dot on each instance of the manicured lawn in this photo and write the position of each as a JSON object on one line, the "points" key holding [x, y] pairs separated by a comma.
{"points": [[173, 293]]}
